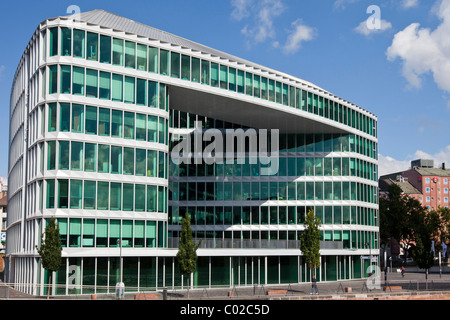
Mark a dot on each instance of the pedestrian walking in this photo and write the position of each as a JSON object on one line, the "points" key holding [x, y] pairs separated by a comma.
{"points": [[403, 271], [314, 285]]}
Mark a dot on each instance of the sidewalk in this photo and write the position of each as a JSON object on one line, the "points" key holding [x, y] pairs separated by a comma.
{"points": [[411, 284]]}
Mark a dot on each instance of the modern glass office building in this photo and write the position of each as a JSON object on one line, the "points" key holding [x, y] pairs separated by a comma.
{"points": [[98, 105]]}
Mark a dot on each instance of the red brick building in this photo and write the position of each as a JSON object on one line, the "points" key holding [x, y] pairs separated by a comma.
{"points": [[427, 184]]}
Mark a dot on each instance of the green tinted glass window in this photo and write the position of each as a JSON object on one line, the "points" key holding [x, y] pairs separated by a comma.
{"points": [[53, 79], [90, 157], [128, 161], [92, 46], [205, 72], [66, 42], [91, 83], [78, 81], [129, 90], [153, 59], [195, 73], [164, 62], [130, 54], [185, 67], [102, 195], [116, 159], [128, 197], [76, 194], [53, 41], [141, 127], [141, 92], [103, 158], [64, 117], [128, 125], [77, 118], [90, 191], [175, 64], [105, 49], [117, 123], [64, 155], [50, 203], [79, 43], [104, 121], [63, 193], [65, 84], [141, 57], [51, 155], [117, 87], [105, 85], [116, 196], [76, 156], [91, 120], [117, 52], [141, 162]]}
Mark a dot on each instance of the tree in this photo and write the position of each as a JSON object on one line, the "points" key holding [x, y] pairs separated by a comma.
{"points": [[310, 241], [50, 250], [187, 250]]}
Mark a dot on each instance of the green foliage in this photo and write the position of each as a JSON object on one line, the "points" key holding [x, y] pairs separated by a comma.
{"points": [[50, 250], [187, 250], [310, 241]]}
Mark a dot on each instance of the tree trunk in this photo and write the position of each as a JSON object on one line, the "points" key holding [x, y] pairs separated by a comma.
{"points": [[49, 286], [189, 275]]}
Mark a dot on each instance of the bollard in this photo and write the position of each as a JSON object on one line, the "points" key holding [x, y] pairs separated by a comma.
{"points": [[164, 293]]}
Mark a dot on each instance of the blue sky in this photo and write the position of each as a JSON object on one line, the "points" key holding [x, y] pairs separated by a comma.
{"points": [[399, 70]]}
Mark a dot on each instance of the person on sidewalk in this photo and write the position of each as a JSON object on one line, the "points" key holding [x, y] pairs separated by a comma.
{"points": [[314, 285]]}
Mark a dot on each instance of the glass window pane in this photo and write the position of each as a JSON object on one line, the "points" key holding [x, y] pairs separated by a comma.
{"points": [[78, 81], [105, 85], [153, 59], [91, 120], [90, 157], [129, 90], [63, 155], [76, 156], [79, 43], [65, 84], [90, 189], [128, 160], [77, 117], [162, 97], [151, 198], [141, 57], [153, 94], [117, 52], [141, 92], [51, 155], [104, 122], [116, 196], [91, 83], [117, 87], [66, 42], [63, 193], [130, 54], [128, 132], [232, 79], [139, 197], [128, 197], [51, 194], [175, 64], [164, 62], [141, 162], [185, 67], [76, 194], [248, 83], [103, 158], [117, 123], [141, 128], [64, 117], [152, 163], [102, 195], [224, 77], [152, 128], [92, 46], [116, 159], [205, 72], [105, 49], [53, 79], [195, 73], [53, 41], [240, 81], [214, 74]]}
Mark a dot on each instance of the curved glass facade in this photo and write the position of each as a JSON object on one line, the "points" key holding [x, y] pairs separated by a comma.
{"points": [[92, 131]]}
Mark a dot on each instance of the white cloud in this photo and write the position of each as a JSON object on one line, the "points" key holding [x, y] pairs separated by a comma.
{"points": [[341, 4], [406, 4], [263, 14], [425, 51], [362, 28], [388, 165], [241, 9], [297, 35]]}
